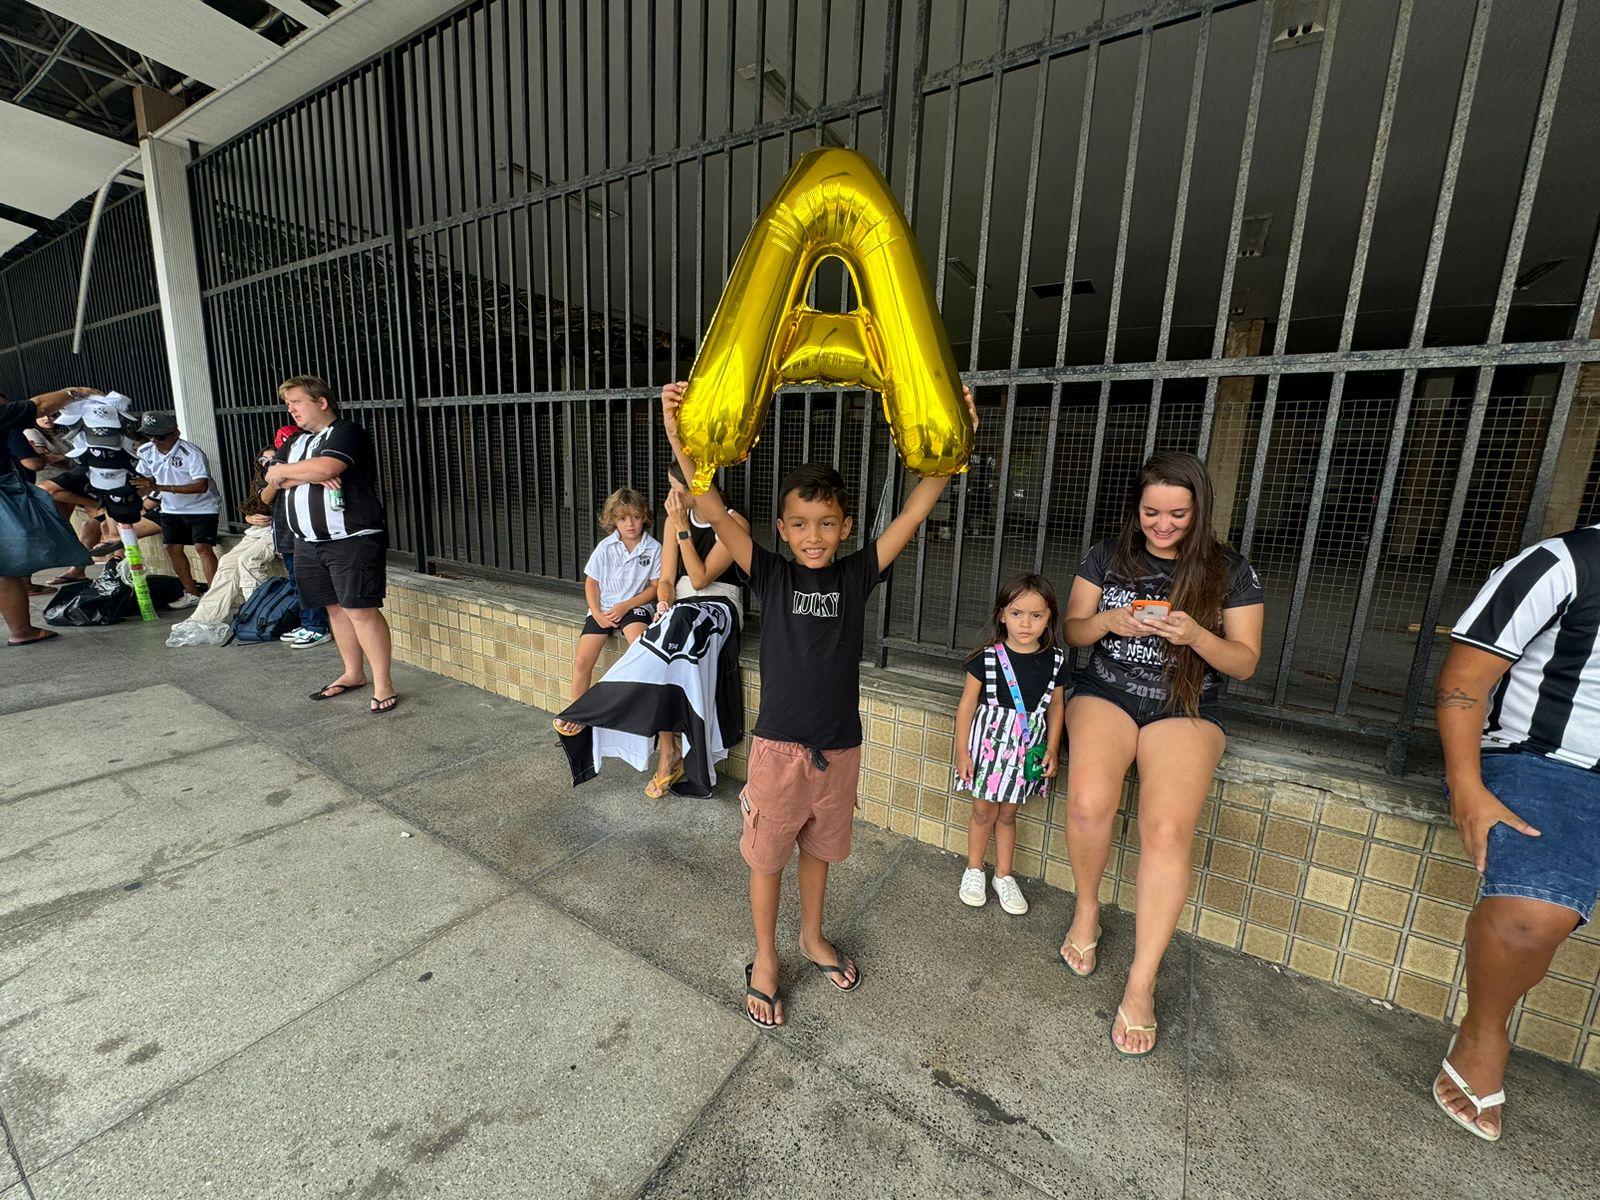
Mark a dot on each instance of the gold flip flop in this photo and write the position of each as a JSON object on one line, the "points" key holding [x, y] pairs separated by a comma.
{"points": [[658, 785], [1129, 1027], [1080, 951]]}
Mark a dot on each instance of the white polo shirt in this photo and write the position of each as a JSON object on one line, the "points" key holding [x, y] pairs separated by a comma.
{"points": [[623, 573], [184, 463]]}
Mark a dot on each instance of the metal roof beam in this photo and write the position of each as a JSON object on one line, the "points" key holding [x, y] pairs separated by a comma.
{"points": [[186, 35]]}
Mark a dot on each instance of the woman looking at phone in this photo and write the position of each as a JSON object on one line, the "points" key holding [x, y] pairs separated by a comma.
{"points": [[1168, 610]]}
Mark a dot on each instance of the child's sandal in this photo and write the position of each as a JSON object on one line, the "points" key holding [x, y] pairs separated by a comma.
{"points": [[771, 1001]]}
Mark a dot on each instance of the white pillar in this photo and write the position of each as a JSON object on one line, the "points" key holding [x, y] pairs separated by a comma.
{"points": [[166, 194]]}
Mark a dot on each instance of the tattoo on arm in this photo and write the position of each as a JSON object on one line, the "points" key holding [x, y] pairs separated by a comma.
{"points": [[1455, 698]]}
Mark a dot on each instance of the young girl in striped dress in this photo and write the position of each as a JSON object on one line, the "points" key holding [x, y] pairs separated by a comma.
{"points": [[1008, 729]]}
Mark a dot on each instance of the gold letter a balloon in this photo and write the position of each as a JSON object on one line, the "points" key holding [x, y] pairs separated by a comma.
{"points": [[833, 204]]}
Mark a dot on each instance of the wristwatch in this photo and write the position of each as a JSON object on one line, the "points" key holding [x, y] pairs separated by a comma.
{"points": [[682, 534]]}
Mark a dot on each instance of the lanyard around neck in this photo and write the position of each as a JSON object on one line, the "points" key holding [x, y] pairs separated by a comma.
{"points": [[1011, 682]]}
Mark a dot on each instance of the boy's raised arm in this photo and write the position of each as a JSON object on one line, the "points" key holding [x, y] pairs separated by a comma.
{"points": [[919, 504]]}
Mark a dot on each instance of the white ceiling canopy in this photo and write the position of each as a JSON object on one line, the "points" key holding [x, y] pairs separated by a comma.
{"points": [[11, 233], [49, 164], [185, 35]]}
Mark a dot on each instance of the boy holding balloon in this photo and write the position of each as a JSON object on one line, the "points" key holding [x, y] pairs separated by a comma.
{"points": [[805, 757]]}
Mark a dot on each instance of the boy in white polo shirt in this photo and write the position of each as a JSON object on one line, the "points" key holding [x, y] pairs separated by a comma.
{"points": [[620, 586], [176, 472]]}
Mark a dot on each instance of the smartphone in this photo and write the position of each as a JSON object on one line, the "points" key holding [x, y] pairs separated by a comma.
{"points": [[1151, 610]]}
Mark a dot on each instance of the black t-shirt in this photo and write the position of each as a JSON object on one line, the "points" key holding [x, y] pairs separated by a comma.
{"points": [[1134, 666], [17, 449], [15, 416], [704, 540], [812, 627], [1033, 675], [309, 509]]}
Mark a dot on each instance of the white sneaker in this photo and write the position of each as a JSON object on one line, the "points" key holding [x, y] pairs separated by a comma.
{"points": [[187, 600], [1011, 897], [972, 890], [310, 637], [294, 634]]}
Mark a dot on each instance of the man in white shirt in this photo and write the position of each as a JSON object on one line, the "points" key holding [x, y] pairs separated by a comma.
{"points": [[175, 470]]}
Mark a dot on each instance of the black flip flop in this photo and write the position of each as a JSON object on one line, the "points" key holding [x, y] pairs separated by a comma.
{"points": [[49, 635], [838, 971], [327, 693], [771, 1001], [385, 706]]}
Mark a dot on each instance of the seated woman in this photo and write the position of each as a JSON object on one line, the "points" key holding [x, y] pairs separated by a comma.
{"points": [[1169, 610], [679, 682]]}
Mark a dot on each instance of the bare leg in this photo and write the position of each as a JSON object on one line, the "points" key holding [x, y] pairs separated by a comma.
{"points": [[764, 892], [813, 875], [979, 826], [1104, 742], [179, 559], [1005, 839], [1510, 942], [1177, 758], [589, 647], [372, 634], [208, 560], [14, 610], [344, 637]]}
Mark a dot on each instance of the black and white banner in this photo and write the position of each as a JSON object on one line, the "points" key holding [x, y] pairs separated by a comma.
{"points": [[681, 676]]}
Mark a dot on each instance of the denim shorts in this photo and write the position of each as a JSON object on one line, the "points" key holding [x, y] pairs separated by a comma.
{"points": [[1562, 865], [1142, 710]]}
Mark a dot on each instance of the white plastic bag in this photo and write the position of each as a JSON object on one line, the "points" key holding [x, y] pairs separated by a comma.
{"points": [[194, 632]]}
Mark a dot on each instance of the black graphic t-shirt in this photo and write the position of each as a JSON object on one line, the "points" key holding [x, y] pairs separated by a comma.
{"points": [[812, 623], [1033, 675], [1134, 665]]}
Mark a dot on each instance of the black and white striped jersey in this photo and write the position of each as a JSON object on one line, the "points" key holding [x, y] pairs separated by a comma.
{"points": [[319, 514], [1541, 610]]}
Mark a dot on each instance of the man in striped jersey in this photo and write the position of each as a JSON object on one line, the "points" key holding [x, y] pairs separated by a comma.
{"points": [[1519, 717], [329, 475]]}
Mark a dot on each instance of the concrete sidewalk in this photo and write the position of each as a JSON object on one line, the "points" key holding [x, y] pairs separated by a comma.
{"points": [[225, 969]]}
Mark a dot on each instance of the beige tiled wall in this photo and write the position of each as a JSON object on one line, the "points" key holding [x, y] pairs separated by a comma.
{"points": [[1356, 881]]}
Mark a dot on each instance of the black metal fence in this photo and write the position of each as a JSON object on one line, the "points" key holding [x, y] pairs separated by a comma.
{"points": [[122, 346], [1346, 252]]}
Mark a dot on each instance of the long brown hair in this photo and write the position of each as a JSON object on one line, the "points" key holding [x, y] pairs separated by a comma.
{"points": [[1016, 586], [1199, 577]]}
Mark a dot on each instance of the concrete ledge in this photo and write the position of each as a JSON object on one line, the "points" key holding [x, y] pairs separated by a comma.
{"points": [[1324, 868]]}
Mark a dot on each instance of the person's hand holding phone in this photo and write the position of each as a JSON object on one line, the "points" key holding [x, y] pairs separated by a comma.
{"points": [[1122, 623], [1179, 628]]}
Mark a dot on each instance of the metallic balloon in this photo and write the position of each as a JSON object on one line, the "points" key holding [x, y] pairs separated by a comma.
{"points": [[833, 204]]}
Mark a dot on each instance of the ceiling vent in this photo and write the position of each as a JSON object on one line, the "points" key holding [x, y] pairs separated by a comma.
{"points": [[1298, 22], [1253, 235]]}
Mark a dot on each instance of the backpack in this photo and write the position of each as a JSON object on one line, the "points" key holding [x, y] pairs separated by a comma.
{"points": [[272, 611], [106, 600]]}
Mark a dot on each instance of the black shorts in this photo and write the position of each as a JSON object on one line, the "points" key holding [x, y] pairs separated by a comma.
{"points": [[351, 572], [641, 615], [188, 529], [1145, 710], [74, 479]]}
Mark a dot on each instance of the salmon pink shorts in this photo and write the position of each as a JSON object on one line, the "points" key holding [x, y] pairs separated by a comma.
{"points": [[789, 800]]}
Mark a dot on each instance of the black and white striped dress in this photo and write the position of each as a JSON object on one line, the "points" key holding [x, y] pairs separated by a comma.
{"points": [[997, 753]]}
